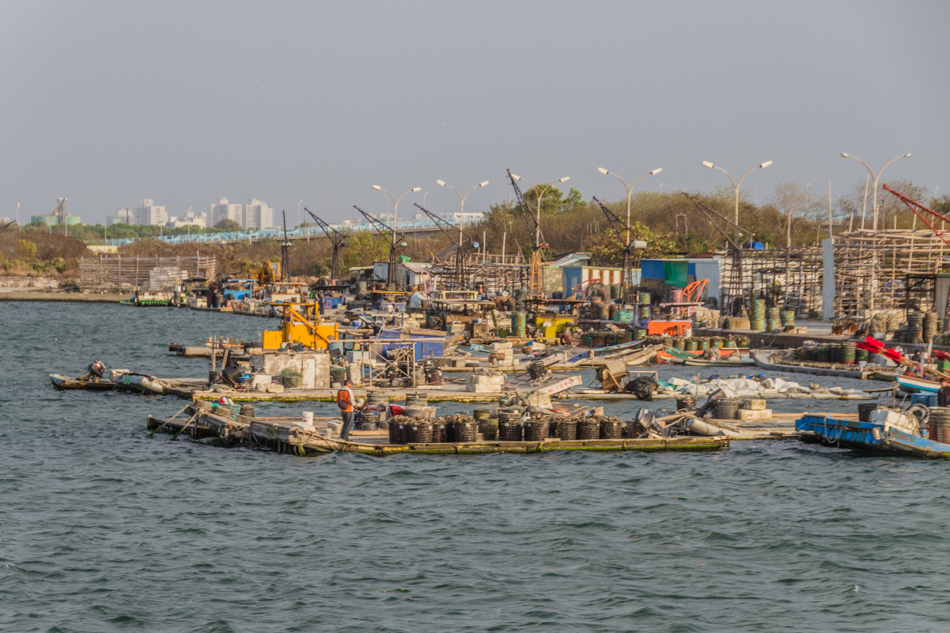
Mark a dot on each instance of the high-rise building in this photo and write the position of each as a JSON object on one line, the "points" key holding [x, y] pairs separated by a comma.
{"points": [[258, 215], [121, 216], [149, 213], [224, 210]]}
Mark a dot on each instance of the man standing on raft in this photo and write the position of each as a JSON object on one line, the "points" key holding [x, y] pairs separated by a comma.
{"points": [[344, 400]]}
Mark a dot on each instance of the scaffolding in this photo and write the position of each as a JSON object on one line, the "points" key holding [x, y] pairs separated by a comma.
{"points": [[782, 276], [494, 272], [886, 270], [147, 273]]}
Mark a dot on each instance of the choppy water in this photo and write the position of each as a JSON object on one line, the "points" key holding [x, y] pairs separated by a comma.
{"points": [[104, 529]]}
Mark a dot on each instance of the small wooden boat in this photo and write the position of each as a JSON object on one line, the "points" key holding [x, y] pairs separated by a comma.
{"points": [[65, 382], [763, 359], [728, 358], [912, 384], [729, 361], [870, 437]]}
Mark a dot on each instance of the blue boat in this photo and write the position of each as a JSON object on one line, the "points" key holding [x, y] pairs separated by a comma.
{"points": [[870, 437]]}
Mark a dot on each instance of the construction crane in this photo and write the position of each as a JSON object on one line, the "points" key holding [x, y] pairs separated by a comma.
{"points": [[7, 225], [444, 226], [621, 226], [535, 290], [337, 239], [734, 291], [386, 232], [285, 253]]}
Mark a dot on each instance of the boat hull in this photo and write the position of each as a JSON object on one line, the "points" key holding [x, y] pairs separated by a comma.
{"points": [[65, 382], [917, 385], [871, 438]]}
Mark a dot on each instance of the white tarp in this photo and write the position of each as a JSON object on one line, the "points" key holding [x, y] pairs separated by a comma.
{"points": [[748, 388]]}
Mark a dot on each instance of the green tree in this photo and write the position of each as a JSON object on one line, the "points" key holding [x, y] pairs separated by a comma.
{"points": [[25, 250], [228, 225]]}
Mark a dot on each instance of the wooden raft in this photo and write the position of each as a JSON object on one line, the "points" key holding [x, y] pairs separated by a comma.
{"points": [[284, 438]]}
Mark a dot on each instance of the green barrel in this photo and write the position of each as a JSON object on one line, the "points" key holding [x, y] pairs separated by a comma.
{"points": [[518, 324], [848, 353]]}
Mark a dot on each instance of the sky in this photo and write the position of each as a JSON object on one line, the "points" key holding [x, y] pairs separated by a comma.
{"points": [[109, 102]]}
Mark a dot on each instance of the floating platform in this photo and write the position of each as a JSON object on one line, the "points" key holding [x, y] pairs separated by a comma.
{"points": [[282, 436]]}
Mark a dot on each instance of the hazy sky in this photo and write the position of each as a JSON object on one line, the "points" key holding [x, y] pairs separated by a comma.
{"points": [[108, 103]]}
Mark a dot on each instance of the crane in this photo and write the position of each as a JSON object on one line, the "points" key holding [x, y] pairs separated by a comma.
{"points": [[534, 272], [337, 239], [625, 274], [442, 224], [735, 280], [386, 232], [7, 225]]}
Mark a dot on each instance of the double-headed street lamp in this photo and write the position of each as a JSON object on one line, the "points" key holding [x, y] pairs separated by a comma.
{"points": [[736, 185], [876, 178], [534, 273], [539, 195], [735, 292], [391, 273], [458, 253], [626, 255]]}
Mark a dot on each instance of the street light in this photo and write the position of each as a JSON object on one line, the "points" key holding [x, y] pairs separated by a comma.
{"points": [[626, 281], [391, 274], [458, 253], [876, 178], [537, 234], [629, 190], [736, 186]]}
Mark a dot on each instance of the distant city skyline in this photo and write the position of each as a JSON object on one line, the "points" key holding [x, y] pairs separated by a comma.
{"points": [[103, 107]]}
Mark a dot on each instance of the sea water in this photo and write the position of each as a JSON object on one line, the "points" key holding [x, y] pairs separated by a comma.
{"points": [[107, 529]]}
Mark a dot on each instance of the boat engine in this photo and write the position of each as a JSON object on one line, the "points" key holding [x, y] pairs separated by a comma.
{"points": [[94, 372]]}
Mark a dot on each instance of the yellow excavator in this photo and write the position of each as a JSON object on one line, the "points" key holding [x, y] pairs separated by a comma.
{"points": [[300, 323]]}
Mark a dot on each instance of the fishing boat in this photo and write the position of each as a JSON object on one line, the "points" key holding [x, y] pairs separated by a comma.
{"points": [[912, 384], [729, 361], [728, 358], [65, 382], [763, 359], [886, 433]]}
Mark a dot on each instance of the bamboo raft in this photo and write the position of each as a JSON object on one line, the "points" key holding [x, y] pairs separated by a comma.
{"points": [[281, 436]]}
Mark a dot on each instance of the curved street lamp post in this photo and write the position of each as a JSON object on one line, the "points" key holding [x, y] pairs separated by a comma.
{"points": [[877, 177], [626, 277], [534, 274], [459, 275], [736, 290], [391, 273]]}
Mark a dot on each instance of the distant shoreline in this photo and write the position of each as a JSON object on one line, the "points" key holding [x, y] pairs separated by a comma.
{"points": [[78, 297]]}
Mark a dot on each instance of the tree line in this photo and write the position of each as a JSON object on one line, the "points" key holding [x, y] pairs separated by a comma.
{"points": [[669, 222]]}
